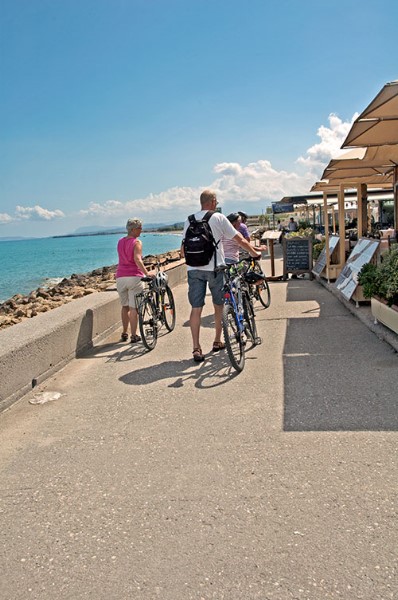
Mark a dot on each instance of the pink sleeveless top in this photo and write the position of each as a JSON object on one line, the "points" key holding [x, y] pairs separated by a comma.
{"points": [[127, 266]]}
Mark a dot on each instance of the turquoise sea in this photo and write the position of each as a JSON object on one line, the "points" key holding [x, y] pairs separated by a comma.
{"points": [[26, 265]]}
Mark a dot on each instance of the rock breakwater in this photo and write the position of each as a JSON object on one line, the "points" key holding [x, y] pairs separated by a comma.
{"points": [[19, 307]]}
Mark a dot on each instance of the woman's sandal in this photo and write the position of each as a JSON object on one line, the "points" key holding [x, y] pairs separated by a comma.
{"points": [[198, 355], [135, 338], [218, 346], [124, 337]]}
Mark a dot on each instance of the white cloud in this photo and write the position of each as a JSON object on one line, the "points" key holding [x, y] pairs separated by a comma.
{"points": [[173, 199], [37, 213], [257, 181], [228, 168], [330, 145], [5, 218], [256, 184]]}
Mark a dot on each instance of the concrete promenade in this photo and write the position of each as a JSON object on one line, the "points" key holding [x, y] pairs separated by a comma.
{"points": [[153, 477]]}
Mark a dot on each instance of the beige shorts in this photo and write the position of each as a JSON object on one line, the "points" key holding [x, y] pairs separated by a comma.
{"points": [[127, 288]]}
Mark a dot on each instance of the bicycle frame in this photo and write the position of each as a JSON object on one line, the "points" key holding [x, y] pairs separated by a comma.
{"points": [[238, 319], [260, 290], [156, 308], [233, 294]]}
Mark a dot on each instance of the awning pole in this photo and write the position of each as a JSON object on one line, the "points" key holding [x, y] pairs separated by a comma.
{"points": [[395, 188], [341, 225], [326, 220], [362, 209]]}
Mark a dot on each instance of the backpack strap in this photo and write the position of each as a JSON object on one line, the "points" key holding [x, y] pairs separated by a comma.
{"points": [[206, 218]]}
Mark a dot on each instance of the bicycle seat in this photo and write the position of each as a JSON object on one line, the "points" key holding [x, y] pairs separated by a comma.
{"points": [[147, 279]]}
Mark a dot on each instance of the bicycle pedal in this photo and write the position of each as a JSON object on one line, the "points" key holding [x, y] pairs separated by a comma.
{"points": [[258, 341]]}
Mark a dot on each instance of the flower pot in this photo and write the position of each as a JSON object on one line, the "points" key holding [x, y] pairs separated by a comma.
{"points": [[388, 315]]}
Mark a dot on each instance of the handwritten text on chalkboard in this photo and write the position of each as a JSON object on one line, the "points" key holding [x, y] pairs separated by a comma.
{"points": [[297, 255]]}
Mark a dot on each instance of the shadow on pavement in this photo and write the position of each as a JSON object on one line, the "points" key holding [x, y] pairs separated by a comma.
{"points": [[338, 376], [213, 372], [207, 322], [127, 351]]}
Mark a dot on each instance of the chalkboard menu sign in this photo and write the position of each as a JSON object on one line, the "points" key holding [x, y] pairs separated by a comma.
{"points": [[321, 262], [297, 255], [362, 253]]}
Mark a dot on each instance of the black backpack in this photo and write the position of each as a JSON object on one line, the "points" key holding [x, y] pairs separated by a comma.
{"points": [[199, 244]]}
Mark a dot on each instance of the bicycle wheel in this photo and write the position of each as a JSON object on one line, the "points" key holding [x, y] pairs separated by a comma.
{"points": [[168, 308], [263, 293], [250, 319], [233, 338], [147, 323]]}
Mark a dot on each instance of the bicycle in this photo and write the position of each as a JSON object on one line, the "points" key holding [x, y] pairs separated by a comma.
{"points": [[259, 288], [156, 308], [238, 318]]}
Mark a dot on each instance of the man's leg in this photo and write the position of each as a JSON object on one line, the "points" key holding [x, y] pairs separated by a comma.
{"points": [[217, 321], [194, 323], [216, 283], [197, 283]]}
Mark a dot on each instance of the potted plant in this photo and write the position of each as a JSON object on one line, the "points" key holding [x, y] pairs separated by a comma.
{"points": [[380, 284]]}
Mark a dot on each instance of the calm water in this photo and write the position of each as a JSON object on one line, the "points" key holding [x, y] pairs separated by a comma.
{"points": [[28, 264]]}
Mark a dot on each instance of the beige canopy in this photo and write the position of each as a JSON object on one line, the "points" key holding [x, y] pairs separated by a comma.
{"points": [[372, 181], [385, 104], [375, 132], [377, 160], [376, 129], [377, 125]]}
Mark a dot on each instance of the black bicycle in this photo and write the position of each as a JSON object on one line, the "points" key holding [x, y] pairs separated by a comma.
{"points": [[156, 308], [238, 318], [258, 284]]}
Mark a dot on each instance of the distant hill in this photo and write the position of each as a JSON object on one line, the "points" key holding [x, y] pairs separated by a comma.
{"points": [[122, 228], [92, 229], [96, 230], [15, 239]]}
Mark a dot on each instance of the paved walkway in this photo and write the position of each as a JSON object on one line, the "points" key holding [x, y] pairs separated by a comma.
{"points": [[153, 477]]}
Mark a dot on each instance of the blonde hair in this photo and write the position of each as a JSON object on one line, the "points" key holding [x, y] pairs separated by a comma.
{"points": [[133, 224], [207, 196]]}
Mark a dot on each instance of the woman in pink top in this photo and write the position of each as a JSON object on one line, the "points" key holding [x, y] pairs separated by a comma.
{"points": [[129, 271]]}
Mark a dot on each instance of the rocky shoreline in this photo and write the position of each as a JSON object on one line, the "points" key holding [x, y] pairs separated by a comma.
{"points": [[19, 307]]}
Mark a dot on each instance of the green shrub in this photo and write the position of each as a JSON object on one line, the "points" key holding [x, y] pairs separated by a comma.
{"points": [[317, 248], [307, 232], [381, 280]]}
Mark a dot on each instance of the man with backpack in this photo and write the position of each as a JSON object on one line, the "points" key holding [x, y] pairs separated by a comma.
{"points": [[203, 252]]}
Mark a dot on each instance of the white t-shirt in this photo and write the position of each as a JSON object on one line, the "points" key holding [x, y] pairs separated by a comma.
{"points": [[220, 227]]}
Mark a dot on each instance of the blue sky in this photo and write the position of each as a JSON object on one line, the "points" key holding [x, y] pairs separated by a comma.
{"points": [[119, 108]]}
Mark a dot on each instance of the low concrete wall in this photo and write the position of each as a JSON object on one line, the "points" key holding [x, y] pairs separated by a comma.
{"points": [[36, 348]]}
